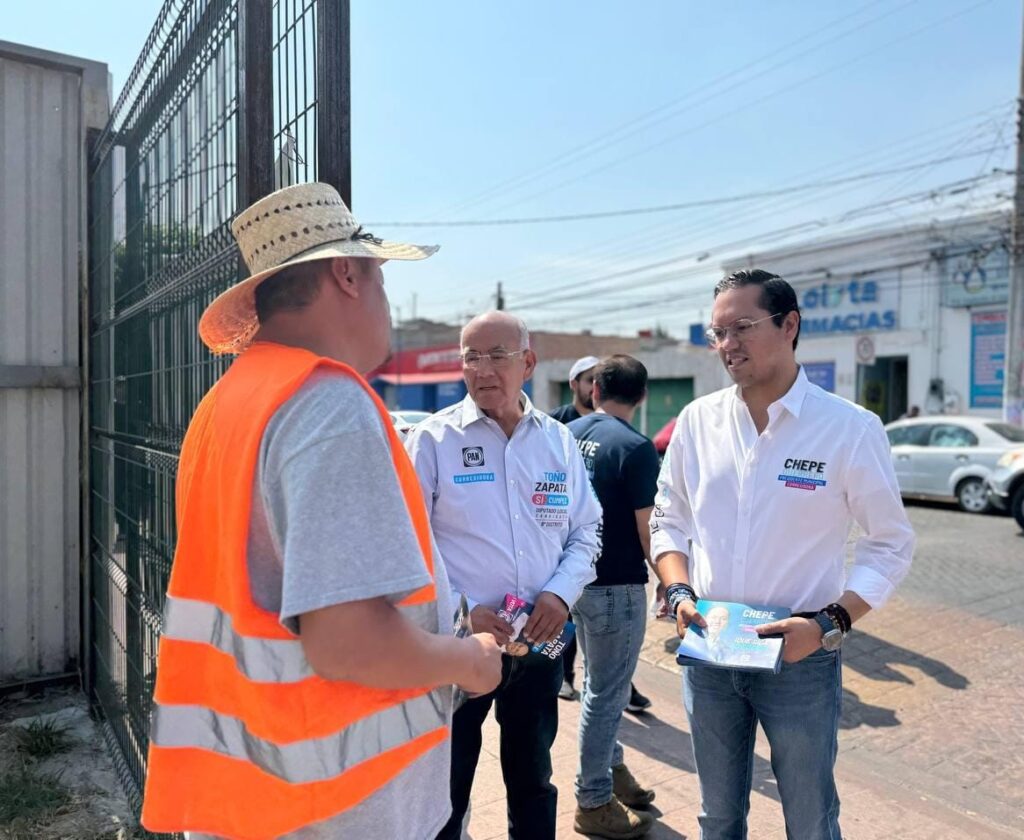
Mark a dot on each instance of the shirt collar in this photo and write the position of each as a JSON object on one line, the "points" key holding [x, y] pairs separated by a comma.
{"points": [[471, 412], [792, 401]]}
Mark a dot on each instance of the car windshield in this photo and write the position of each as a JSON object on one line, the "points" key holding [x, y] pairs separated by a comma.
{"points": [[1005, 430]]}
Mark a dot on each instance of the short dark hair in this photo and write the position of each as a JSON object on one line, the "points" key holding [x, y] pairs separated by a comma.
{"points": [[777, 296], [293, 287], [621, 378]]}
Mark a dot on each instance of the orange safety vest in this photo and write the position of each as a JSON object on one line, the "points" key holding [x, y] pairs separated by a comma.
{"points": [[246, 741]]}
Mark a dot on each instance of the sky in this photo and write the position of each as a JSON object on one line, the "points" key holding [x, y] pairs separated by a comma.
{"points": [[847, 114]]}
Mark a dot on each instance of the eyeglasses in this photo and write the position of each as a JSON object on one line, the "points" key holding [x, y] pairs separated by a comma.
{"points": [[498, 358], [717, 336]]}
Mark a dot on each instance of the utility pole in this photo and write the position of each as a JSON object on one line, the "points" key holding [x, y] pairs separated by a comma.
{"points": [[1013, 371], [499, 302]]}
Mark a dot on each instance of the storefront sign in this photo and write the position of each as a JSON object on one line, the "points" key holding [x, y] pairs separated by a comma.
{"points": [[977, 278], [822, 374], [853, 306], [988, 359]]}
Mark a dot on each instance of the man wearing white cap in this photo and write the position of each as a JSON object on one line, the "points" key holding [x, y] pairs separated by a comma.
{"points": [[305, 667], [581, 381]]}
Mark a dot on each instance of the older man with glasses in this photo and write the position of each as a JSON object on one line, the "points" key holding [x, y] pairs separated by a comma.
{"points": [[513, 513]]}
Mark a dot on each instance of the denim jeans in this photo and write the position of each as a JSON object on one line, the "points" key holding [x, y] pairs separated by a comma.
{"points": [[610, 622], [527, 712], [799, 711]]}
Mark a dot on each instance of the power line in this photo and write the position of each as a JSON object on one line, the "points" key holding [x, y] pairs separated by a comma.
{"points": [[685, 205], [645, 121]]}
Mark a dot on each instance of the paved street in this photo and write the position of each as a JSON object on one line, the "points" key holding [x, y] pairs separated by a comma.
{"points": [[932, 737]]}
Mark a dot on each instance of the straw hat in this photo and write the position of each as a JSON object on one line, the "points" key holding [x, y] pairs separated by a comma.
{"points": [[294, 225]]}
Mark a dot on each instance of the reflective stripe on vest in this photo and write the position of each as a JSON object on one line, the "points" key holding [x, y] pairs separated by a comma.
{"points": [[312, 760], [260, 660], [247, 741]]}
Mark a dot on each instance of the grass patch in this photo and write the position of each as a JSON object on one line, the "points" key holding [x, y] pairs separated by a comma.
{"points": [[26, 794], [41, 739]]}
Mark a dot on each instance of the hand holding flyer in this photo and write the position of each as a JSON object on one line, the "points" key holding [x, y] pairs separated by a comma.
{"points": [[516, 612]]}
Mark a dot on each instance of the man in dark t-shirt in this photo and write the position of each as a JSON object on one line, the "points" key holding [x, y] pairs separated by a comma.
{"points": [[611, 614]]}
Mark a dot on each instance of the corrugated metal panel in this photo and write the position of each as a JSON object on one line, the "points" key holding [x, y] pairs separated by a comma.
{"points": [[40, 176]]}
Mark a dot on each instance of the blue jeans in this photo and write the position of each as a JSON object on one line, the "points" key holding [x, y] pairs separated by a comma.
{"points": [[610, 622], [799, 711]]}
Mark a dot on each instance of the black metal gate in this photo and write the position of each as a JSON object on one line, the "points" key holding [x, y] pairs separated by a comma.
{"points": [[228, 100]]}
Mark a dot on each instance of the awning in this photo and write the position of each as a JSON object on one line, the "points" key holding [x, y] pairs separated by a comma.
{"points": [[420, 378]]}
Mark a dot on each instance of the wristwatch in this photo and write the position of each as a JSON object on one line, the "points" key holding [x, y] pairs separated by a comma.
{"points": [[832, 635]]}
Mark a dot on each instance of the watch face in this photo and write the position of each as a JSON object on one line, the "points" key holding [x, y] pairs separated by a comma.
{"points": [[832, 640]]}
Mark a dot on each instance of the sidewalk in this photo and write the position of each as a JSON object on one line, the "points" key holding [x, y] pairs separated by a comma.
{"points": [[924, 751]]}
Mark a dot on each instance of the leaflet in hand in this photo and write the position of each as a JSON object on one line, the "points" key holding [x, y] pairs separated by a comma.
{"points": [[516, 612], [462, 626], [731, 639]]}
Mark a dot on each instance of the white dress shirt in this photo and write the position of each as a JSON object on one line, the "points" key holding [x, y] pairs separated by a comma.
{"points": [[510, 514], [764, 519]]}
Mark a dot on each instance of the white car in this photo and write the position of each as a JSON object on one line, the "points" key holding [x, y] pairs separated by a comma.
{"points": [[405, 420], [949, 458]]}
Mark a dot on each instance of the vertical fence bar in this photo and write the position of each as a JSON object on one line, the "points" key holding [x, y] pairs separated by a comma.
{"points": [[256, 100], [334, 121]]}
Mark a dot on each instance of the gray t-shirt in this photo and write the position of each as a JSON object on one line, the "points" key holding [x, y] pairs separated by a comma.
{"points": [[329, 525]]}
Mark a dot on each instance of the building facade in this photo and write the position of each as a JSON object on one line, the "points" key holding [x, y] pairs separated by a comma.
{"points": [[904, 317]]}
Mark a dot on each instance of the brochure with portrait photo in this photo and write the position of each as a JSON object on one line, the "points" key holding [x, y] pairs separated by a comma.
{"points": [[731, 639]]}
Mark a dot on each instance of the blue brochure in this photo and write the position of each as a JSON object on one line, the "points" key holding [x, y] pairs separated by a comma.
{"points": [[731, 640]]}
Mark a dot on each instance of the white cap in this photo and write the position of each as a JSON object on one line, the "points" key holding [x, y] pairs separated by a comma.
{"points": [[582, 365]]}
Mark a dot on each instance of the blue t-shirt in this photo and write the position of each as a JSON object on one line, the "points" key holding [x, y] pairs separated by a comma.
{"points": [[623, 467]]}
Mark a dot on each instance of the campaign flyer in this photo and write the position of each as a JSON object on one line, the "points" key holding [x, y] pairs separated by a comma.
{"points": [[516, 612], [731, 640]]}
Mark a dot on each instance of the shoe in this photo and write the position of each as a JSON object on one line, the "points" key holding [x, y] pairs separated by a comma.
{"points": [[637, 702], [567, 692], [612, 820], [628, 790]]}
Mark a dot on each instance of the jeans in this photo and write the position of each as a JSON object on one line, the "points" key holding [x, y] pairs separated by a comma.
{"points": [[526, 703], [799, 711], [610, 623]]}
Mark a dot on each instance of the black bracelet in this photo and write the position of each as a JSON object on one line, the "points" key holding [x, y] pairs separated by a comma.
{"points": [[676, 593], [838, 613]]}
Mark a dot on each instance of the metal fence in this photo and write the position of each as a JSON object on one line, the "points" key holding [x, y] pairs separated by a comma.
{"points": [[228, 100]]}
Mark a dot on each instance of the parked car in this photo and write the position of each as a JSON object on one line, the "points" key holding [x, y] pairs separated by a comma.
{"points": [[405, 420], [949, 458], [664, 435], [1006, 484]]}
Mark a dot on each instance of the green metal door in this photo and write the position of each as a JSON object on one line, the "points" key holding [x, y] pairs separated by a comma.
{"points": [[665, 399]]}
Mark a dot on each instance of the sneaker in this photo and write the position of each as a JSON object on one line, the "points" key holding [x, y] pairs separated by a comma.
{"points": [[628, 790], [567, 692], [612, 820], [637, 702]]}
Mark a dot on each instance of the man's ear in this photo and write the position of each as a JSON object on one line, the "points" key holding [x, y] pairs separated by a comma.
{"points": [[343, 275], [531, 363], [595, 394]]}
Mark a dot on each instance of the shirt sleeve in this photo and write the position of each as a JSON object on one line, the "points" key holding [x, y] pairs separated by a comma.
{"points": [[576, 567], [641, 474], [672, 519], [325, 505], [881, 557], [422, 449]]}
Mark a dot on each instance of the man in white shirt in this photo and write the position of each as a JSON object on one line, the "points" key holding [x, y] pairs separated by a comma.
{"points": [[760, 486], [513, 513]]}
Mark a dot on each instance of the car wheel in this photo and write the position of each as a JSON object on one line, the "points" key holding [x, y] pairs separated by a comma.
{"points": [[1017, 506], [972, 496]]}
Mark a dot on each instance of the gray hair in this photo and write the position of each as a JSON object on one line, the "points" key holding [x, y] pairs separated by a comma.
{"points": [[500, 315]]}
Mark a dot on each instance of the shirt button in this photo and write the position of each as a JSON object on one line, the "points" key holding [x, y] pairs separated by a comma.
{"points": [[515, 516], [511, 481], [520, 554]]}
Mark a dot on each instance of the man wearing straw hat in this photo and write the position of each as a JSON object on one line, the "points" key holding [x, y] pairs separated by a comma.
{"points": [[304, 672]]}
